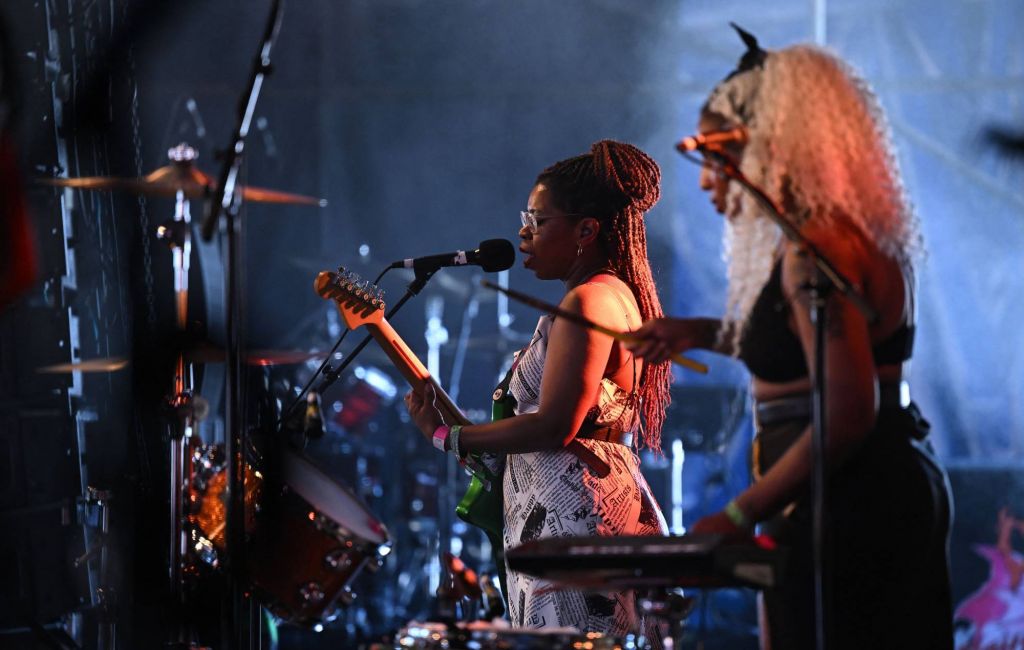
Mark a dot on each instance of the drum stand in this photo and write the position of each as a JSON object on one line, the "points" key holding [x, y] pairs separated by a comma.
{"points": [[671, 607]]}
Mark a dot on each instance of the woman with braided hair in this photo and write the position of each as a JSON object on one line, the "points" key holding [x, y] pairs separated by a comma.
{"points": [[580, 397], [817, 144]]}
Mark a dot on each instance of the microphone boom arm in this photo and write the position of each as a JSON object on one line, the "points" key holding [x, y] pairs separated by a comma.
{"points": [[224, 194]]}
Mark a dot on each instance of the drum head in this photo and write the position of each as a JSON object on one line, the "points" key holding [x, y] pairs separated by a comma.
{"points": [[332, 500]]}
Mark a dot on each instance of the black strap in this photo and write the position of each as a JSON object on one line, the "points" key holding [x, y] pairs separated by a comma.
{"points": [[606, 434]]}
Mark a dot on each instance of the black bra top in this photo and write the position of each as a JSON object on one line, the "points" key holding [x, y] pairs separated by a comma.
{"points": [[772, 352]]}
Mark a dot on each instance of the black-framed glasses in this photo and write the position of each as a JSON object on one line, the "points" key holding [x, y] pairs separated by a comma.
{"points": [[532, 220]]}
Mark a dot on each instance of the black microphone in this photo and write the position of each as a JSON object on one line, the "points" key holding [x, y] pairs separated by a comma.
{"points": [[713, 140], [493, 255]]}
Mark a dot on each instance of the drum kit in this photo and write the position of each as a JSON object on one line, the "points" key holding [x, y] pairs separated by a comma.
{"points": [[307, 535]]}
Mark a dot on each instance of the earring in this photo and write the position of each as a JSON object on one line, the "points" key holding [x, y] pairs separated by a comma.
{"points": [[579, 250]]}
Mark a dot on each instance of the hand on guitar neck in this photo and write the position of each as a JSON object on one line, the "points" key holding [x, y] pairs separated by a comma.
{"points": [[429, 411]]}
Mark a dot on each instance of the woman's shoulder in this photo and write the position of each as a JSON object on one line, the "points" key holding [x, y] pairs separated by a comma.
{"points": [[603, 288], [599, 298]]}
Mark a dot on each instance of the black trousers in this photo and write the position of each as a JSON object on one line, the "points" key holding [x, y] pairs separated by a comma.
{"points": [[889, 512]]}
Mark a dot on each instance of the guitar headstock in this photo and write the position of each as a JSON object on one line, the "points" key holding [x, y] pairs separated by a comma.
{"points": [[359, 301]]}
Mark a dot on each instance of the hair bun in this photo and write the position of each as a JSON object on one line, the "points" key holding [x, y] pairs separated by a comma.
{"points": [[629, 171]]}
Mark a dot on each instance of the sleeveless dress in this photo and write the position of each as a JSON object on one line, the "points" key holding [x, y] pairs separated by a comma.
{"points": [[555, 494]]}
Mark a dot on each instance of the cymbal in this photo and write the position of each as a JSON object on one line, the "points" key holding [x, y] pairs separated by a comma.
{"points": [[282, 357], [178, 176], [102, 364], [266, 357], [204, 354]]}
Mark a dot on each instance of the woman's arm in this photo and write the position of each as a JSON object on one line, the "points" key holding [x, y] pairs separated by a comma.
{"points": [[575, 363], [663, 337]]}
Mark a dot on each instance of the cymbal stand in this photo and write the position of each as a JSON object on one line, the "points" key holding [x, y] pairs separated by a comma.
{"points": [[436, 335], [181, 403]]}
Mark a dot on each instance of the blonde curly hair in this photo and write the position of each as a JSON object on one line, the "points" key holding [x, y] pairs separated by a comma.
{"points": [[817, 137]]}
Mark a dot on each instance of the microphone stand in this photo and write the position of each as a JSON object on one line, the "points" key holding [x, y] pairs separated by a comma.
{"points": [[825, 280], [242, 615]]}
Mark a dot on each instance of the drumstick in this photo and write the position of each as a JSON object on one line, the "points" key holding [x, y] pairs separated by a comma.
{"points": [[624, 337]]}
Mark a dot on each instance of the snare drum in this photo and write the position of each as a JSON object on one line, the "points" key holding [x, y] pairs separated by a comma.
{"points": [[310, 543]]}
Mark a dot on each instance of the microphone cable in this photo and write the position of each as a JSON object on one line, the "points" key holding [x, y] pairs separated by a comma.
{"points": [[333, 374]]}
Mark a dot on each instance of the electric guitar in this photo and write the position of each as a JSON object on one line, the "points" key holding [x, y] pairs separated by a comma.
{"points": [[361, 304]]}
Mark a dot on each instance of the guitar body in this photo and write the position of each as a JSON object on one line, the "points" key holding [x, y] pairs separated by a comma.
{"points": [[484, 508], [483, 504]]}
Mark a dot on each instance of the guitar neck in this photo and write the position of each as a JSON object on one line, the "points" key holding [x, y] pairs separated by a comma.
{"points": [[407, 363]]}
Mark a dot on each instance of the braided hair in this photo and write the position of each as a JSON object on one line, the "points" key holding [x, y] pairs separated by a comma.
{"points": [[617, 184]]}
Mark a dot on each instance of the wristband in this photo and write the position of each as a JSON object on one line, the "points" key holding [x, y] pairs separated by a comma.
{"points": [[440, 436], [456, 431], [735, 514]]}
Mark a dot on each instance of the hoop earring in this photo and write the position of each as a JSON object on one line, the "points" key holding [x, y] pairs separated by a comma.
{"points": [[579, 250]]}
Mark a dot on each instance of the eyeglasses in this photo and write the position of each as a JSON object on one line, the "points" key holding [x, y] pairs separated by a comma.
{"points": [[532, 220]]}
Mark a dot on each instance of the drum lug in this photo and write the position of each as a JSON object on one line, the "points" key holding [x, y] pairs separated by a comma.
{"points": [[322, 523], [338, 560], [205, 550], [374, 565], [346, 597], [330, 614], [312, 593]]}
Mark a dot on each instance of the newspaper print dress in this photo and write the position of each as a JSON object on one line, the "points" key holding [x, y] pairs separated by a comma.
{"points": [[555, 494]]}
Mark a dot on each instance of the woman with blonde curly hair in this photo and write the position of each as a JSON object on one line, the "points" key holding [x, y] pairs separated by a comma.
{"points": [[817, 144], [579, 396]]}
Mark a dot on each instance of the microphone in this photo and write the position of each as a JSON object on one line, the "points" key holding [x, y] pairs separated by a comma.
{"points": [[713, 140], [493, 255]]}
